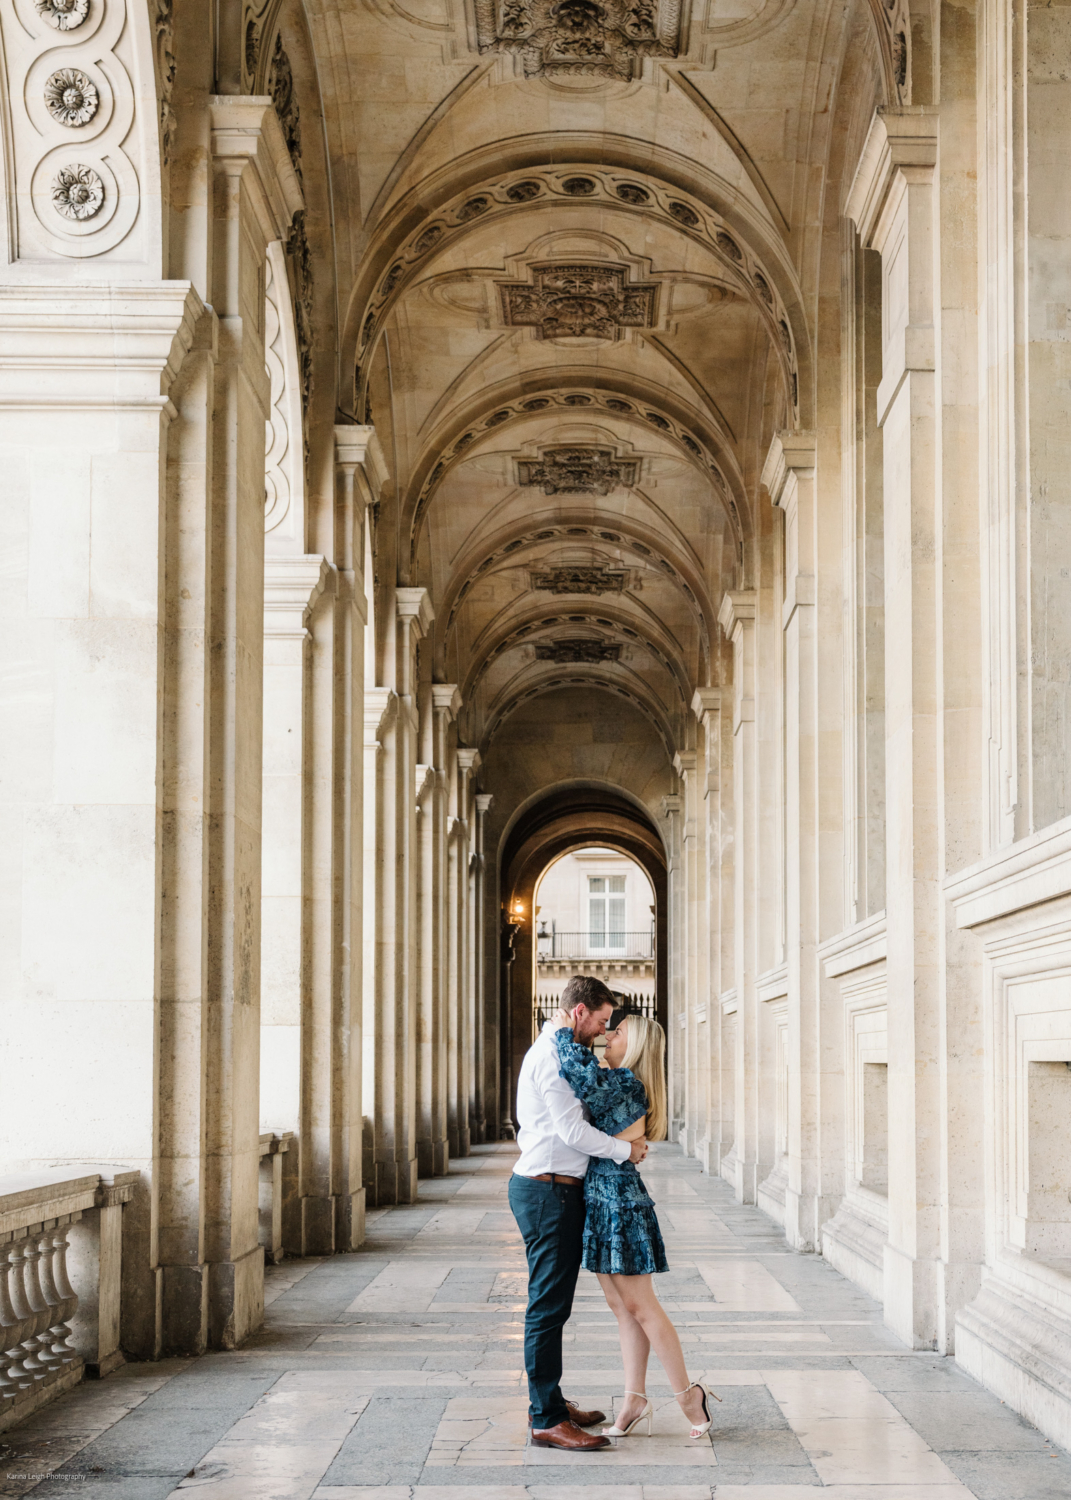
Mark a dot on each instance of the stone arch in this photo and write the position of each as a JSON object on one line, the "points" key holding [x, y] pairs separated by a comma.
{"points": [[558, 820]]}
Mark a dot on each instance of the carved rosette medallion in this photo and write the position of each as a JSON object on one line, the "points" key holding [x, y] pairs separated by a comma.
{"points": [[578, 301], [577, 37], [580, 581], [77, 192], [64, 15], [579, 650], [71, 97], [565, 471]]}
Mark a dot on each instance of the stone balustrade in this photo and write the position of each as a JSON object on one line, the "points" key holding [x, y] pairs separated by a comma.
{"points": [[60, 1277], [274, 1159]]}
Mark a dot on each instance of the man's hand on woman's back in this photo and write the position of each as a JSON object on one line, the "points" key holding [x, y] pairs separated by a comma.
{"points": [[639, 1149]]}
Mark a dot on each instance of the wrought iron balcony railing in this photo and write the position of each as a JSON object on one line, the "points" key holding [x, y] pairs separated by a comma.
{"points": [[594, 945]]}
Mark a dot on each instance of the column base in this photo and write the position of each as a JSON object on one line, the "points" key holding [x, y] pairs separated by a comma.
{"points": [[183, 1310], [395, 1182], [353, 1222], [236, 1299], [805, 1213], [910, 1298], [318, 1224], [432, 1158]]}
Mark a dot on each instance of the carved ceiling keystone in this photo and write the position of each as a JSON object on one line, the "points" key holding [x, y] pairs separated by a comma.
{"points": [[578, 301], [581, 649], [607, 37], [580, 581], [576, 471]]}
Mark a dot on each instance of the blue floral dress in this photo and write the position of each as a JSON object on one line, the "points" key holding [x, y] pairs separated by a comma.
{"points": [[621, 1233]]}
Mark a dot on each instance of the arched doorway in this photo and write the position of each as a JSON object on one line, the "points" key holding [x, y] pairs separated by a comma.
{"points": [[560, 822]]}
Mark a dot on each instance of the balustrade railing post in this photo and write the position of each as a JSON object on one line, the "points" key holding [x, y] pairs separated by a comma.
{"points": [[13, 1328]]}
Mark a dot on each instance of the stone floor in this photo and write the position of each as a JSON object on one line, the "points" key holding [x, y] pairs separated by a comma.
{"points": [[396, 1374]]}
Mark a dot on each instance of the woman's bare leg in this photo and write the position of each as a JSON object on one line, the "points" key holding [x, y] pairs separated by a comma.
{"points": [[635, 1351], [638, 1298]]}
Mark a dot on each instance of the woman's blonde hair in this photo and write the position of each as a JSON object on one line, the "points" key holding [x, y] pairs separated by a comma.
{"points": [[645, 1055]]}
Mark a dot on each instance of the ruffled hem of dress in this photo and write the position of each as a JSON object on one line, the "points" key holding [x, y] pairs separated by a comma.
{"points": [[625, 1243]]}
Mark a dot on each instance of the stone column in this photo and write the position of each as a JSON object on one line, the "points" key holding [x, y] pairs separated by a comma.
{"points": [[789, 478], [395, 1159], [676, 927], [893, 204], [737, 619], [359, 475], [432, 1154], [486, 1033], [292, 585], [460, 1018], [706, 705], [686, 763], [97, 555]]}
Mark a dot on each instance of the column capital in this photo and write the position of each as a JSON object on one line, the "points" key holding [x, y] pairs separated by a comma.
{"points": [[380, 704], [737, 608], [483, 802], [358, 447], [446, 699], [246, 133], [291, 587], [789, 453], [684, 762], [91, 347], [468, 760], [706, 700], [900, 141], [671, 806], [414, 606], [425, 780]]}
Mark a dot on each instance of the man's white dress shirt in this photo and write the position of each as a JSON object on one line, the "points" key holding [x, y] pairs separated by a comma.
{"points": [[554, 1134]]}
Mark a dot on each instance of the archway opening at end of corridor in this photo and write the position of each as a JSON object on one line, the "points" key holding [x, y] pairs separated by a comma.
{"points": [[584, 891]]}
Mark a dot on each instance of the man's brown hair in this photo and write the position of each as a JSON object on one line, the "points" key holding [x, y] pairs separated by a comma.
{"points": [[585, 989]]}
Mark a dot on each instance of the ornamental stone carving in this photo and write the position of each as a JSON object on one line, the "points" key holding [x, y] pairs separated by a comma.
{"points": [[77, 192], [564, 471], [600, 37], [581, 649], [71, 97], [578, 301], [580, 580], [281, 89], [64, 15]]}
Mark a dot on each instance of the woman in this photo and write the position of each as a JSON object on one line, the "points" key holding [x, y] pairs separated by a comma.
{"points": [[622, 1241]]}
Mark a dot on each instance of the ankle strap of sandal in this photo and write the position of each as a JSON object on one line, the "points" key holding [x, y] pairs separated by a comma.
{"points": [[687, 1388], [637, 1393]]}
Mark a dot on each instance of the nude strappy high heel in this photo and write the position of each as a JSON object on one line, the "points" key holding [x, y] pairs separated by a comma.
{"points": [[645, 1416], [700, 1429]]}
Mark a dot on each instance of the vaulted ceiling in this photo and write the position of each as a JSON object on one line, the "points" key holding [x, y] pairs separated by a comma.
{"points": [[583, 242]]}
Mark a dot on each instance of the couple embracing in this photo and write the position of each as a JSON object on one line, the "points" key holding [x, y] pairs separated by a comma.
{"points": [[579, 1201]]}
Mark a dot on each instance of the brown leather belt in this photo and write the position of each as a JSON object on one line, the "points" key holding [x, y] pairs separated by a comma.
{"points": [[557, 1177]]}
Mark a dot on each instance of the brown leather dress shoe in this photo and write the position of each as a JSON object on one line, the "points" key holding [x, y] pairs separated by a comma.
{"points": [[568, 1435], [581, 1418], [584, 1418]]}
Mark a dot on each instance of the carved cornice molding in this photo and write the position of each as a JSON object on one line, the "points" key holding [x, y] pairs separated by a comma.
{"points": [[571, 300]]}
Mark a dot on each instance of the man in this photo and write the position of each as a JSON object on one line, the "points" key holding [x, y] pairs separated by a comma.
{"points": [[546, 1194]]}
